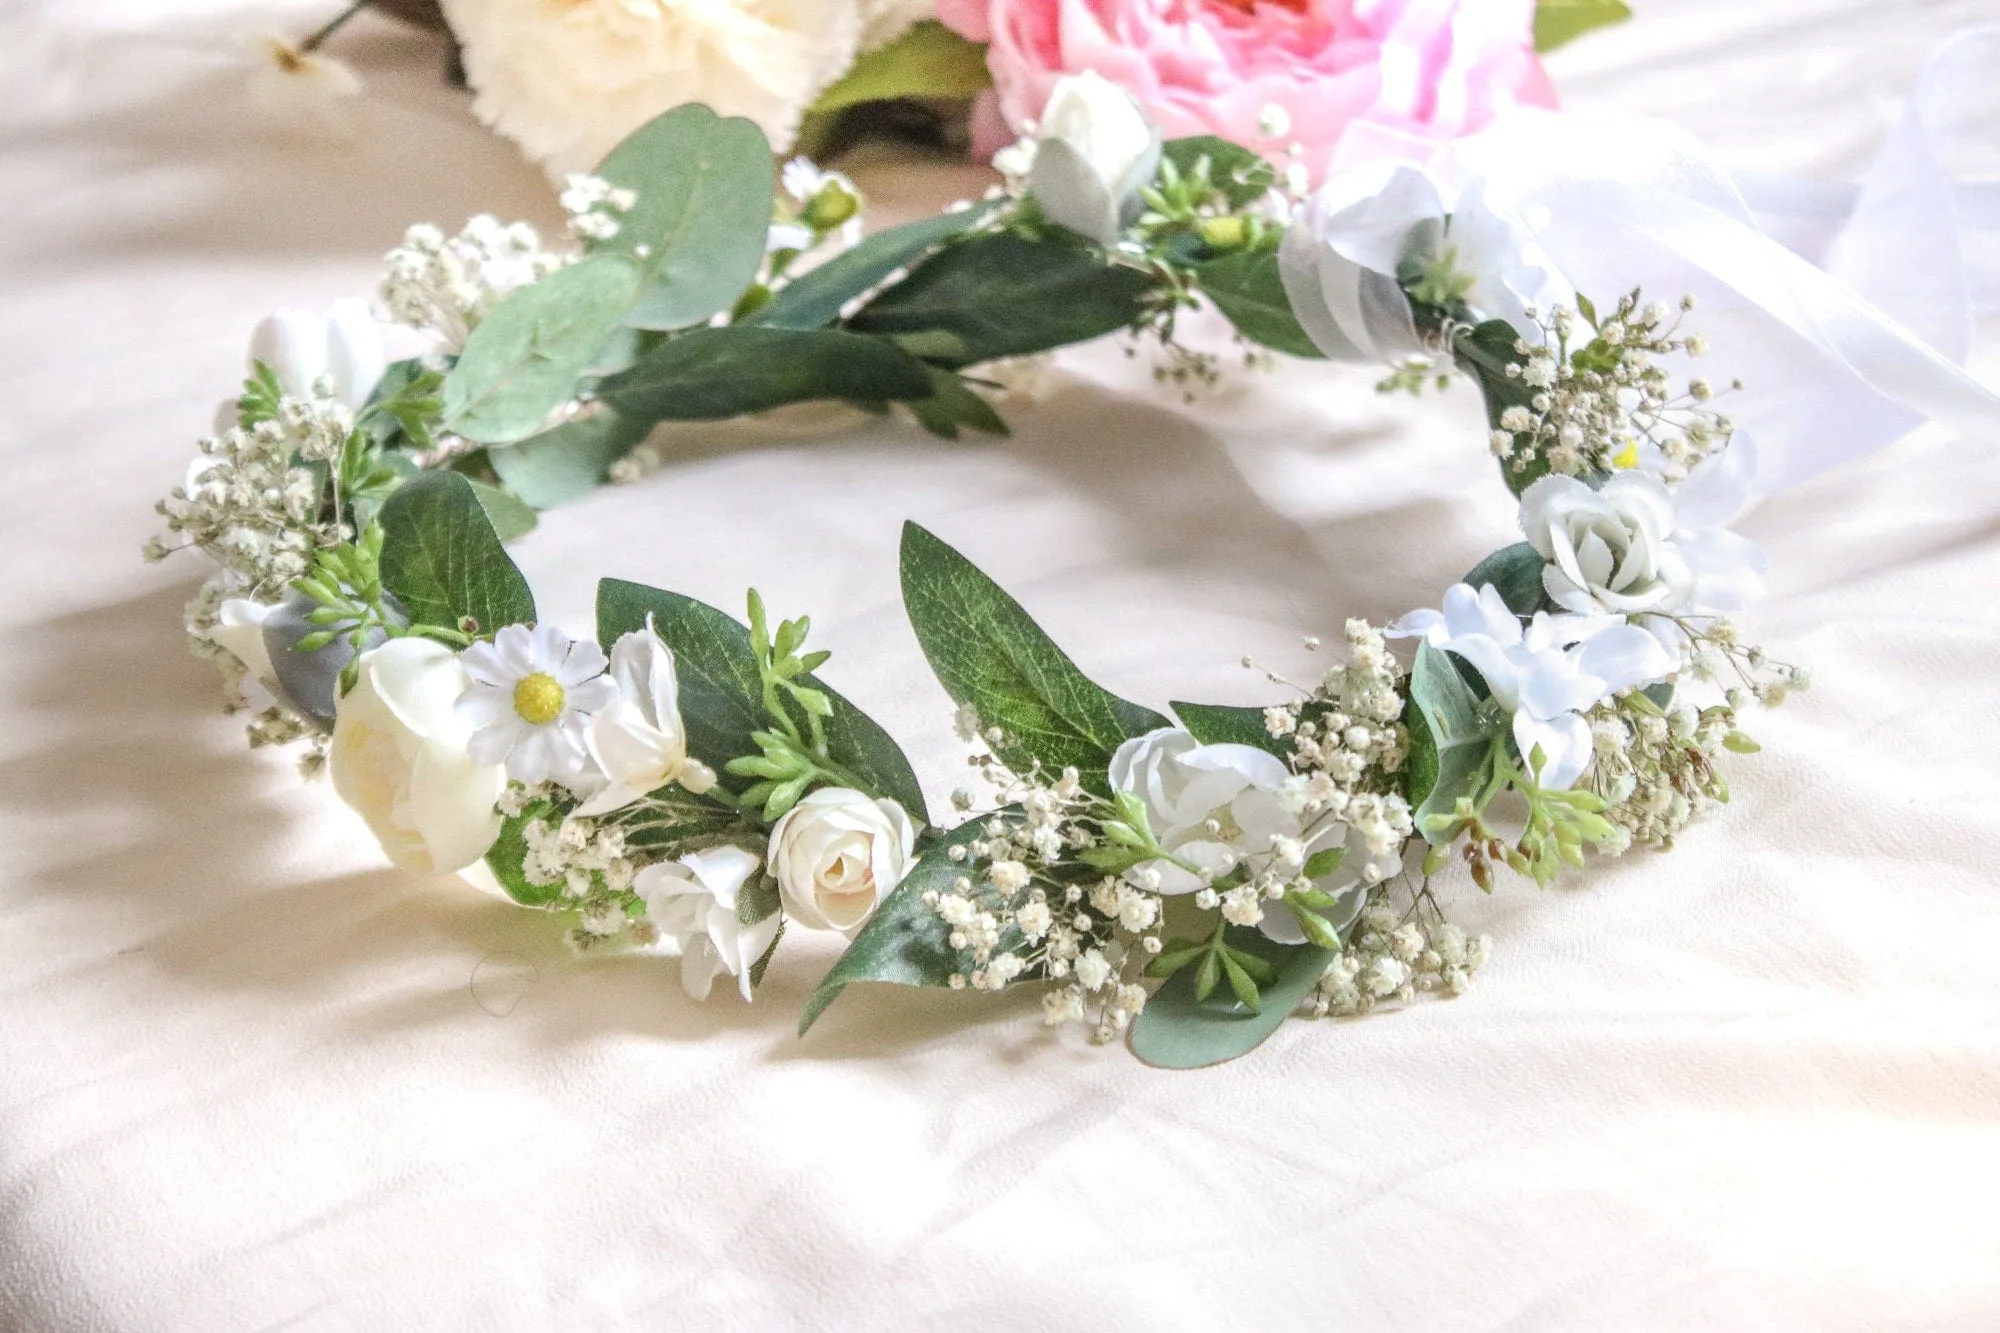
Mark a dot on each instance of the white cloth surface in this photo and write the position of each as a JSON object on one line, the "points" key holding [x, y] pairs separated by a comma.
{"points": [[250, 1077]]}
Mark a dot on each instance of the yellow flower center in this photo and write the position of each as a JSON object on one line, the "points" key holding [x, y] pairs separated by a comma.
{"points": [[539, 698]]}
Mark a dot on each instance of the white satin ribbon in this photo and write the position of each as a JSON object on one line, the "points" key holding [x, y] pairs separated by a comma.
{"points": [[1837, 361]]}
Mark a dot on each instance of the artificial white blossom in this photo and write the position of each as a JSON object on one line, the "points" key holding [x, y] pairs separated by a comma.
{"points": [[1548, 673], [531, 694], [837, 854], [345, 348], [399, 758], [638, 740], [693, 900]]}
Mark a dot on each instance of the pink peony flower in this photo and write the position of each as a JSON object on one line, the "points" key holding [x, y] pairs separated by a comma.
{"points": [[1365, 79]]}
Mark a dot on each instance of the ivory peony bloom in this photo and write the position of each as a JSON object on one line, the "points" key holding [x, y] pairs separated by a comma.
{"points": [[1366, 76], [398, 758], [568, 80], [837, 854]]}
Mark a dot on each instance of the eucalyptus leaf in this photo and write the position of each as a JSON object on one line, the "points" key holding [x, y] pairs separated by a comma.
{"points": [[1516, 574], [905, 943], [815, 298], [562, 463], [952, 406], [1452, 732], [1222, 724], [523, 359], [1250, 293], [511, 518], [444, 562], [1004, 295], [704, 185], [716, 374], [988, 652], [1177, 1031], [1558, 22], [721, 692]]}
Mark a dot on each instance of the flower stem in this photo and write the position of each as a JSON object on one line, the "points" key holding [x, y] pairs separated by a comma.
{"points": [[331, 26]]}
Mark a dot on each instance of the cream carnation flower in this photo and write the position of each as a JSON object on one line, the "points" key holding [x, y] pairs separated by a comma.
{"points": [[568, 79]]}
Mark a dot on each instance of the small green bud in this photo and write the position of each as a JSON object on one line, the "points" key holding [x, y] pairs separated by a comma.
{"points": [[1224, 233], [832, 206]]}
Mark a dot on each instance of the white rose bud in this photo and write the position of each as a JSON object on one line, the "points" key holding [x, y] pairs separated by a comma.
{"points": [[398, 758], [1609, 550], [1097, 152], [639, 741], [837, 854]]}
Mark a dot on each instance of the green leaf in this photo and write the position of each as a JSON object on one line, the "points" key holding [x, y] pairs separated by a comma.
{"points": [[261, 394], [905, 942], [523, 360], [560, 464], [814, 298], [928, 60], [1516, 573], [1003, 295], [1484, 354], [722, 692], [1177, 1031], [1247, 290], [1451, 735], [988, 653], [1222, 724], [954, 405], [715, 374], [443, 560], [400, 410], [1560, 21], [511, 519], [704, 186], [1239, 982], [1323, 863], [510, 849], [1242, 175]]}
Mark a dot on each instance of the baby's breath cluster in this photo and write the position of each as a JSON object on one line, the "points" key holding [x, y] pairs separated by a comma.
{"points": [[1598, 399], [594, 206], [446, 284]]}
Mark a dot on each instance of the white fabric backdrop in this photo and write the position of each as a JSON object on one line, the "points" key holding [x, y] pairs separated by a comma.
{"points": [[251, 1078]]}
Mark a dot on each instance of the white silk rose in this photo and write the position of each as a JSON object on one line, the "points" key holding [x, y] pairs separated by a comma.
{"points": [[1217, 807], [398, 757], [693, 901], [640, 742], [1097, 151], [1634, 548], [837, 854]]}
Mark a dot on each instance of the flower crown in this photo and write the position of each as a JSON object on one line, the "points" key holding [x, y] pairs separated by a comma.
{"points": [[687, 783]]}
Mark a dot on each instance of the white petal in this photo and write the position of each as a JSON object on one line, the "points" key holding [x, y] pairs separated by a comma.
{"points": [[1624, 656]]}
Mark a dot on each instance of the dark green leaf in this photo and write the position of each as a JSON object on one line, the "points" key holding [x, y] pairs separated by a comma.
{"points": [[1516, 573], [1243, 176], [1222, 724], [444, 562], [558, 465], [1177, 1031], [988, 653], [905, 942], [1246, 288], [704, 185], [722, 693], [1239, 982], [1484, 354], [1451, 735], [508, 852], [814, 298], [952, 405], [523, 360], [1003, 295], [1561, 21], [715, 374]]}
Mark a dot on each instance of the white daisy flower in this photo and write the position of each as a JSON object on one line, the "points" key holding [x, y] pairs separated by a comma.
{"points": [[530, 696]]}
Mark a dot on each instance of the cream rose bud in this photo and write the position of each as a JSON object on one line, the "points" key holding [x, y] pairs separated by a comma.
{"points": [[640, 742], [1097, 152], [398, 758], [1608, 550], [837, 854]]}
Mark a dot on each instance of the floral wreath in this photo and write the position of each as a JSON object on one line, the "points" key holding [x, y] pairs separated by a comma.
{"points": [[687, 783]]}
